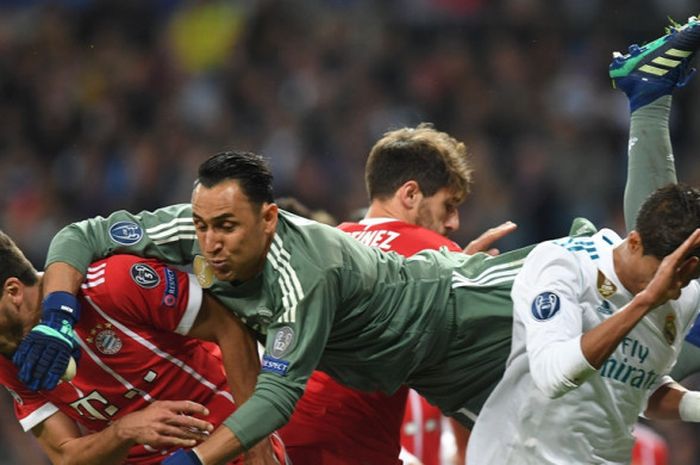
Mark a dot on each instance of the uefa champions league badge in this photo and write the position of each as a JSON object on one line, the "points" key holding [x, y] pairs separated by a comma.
{"points": [[545, 306], [144, 275], [125, 233], [203, 272], [283, 340]]}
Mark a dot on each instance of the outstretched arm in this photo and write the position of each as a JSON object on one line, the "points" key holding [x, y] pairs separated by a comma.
{"points": [[162, 424], [561, 356], [673, 274], [239, 349]]}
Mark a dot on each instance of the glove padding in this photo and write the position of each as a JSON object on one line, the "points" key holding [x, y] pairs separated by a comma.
{"points": [[42, 356], [182, 457]]}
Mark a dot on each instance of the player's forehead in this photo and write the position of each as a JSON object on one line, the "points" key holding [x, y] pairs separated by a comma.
{"points": [[223, 200]]}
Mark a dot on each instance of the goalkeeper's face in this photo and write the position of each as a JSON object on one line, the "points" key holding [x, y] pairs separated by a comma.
{"points": [[234, 233]]}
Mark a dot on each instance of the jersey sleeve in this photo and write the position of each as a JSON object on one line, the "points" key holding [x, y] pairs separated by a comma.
{"points": [[293, 349], [167, 234], [31, 408], [546, 300], [693, 333], [144, 292]]}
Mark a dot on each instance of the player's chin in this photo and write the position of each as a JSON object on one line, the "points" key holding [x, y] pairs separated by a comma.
{"points": [[225, 275]]}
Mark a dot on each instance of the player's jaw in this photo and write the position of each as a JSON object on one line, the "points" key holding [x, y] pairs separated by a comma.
{"points": [[13, 327], [439, 212], [643, 272]]}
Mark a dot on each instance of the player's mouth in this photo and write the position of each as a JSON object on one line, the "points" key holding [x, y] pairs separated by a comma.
{"points": [[219, 265]]}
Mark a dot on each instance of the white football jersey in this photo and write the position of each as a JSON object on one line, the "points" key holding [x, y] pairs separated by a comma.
{"points": [[551, 407]]}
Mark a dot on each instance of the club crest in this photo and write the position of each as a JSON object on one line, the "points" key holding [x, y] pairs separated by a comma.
{"points": [[105, 339], [606, 288], [670, 328]]}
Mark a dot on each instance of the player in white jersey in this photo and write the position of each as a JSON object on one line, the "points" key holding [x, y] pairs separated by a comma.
{"points": [[590, 346], [588, 349]]}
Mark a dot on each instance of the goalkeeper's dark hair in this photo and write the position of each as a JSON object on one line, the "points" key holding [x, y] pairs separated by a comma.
{"points": [[249, 169], [13, 263], [432, 158], [667, 218]]}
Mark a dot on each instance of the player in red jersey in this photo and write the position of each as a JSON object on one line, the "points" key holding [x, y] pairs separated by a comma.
{"points": [[415, 178], [139, 360]]}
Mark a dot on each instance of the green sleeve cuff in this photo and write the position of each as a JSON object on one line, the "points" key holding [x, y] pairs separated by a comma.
{"points": [[254, 420]]}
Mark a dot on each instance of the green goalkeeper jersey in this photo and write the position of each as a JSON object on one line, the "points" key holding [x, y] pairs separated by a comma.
{"points": [[438, 321]]}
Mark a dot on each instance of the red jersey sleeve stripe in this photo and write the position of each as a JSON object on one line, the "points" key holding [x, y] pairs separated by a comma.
{"points": [[194, 303], [38, 416]]}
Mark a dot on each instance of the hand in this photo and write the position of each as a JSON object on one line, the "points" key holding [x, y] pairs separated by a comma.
{"points": [[43, 354], [674, 273], [483, 242], [166, 424], [182, 457]]}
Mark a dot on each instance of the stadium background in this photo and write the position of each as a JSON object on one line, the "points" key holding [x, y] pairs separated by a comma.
{"points": [[113, 104]]}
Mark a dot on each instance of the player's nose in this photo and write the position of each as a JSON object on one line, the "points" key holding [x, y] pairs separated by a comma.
{"points": [[452, 222]]}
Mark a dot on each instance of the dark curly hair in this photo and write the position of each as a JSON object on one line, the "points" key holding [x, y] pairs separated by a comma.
{"points": [[667, 218]]}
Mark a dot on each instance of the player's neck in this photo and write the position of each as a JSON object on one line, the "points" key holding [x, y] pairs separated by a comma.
{"points": [[390, 208], [624, 274]]}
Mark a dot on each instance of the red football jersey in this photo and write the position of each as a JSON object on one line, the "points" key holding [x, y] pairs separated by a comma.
{"points": [[336, 425], [134, 314]]}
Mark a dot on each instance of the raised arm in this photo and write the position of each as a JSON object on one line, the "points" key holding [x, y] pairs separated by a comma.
{"points": [[579, 354]]}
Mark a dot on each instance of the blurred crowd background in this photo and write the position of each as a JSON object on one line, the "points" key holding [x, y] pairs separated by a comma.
{"points": [[112, 104]]}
